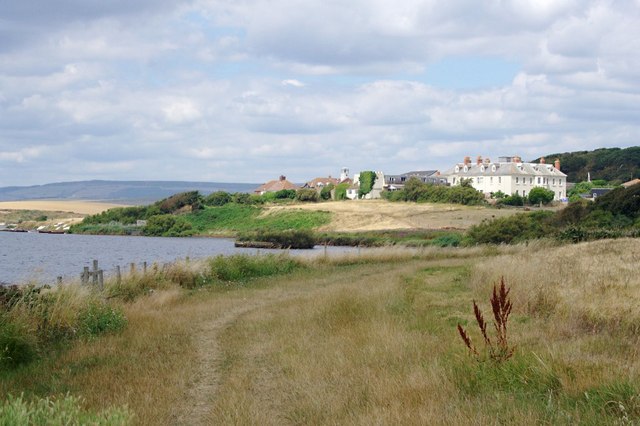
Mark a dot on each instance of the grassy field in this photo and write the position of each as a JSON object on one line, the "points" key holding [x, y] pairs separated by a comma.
{"points": [[378, 215], [364, 340]]}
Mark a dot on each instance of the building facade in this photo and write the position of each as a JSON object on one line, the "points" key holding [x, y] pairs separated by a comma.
{"points": [[510, 176]]}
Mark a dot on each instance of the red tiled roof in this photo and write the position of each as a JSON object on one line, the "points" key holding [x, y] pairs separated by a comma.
{"points": [[275, 186]]}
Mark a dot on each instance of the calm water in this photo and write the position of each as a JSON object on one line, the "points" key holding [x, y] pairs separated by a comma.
{"points": [[29, 257]]}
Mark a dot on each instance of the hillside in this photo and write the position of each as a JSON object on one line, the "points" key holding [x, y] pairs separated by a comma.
{"points": [[612, 164], [133, 192]]}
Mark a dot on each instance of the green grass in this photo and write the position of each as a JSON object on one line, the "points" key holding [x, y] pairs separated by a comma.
{"points": [[234, 218], [62, 411]]}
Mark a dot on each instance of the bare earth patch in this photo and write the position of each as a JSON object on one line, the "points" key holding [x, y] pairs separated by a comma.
{"points": [[377, 215]]}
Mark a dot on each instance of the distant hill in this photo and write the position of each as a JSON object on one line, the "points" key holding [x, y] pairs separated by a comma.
{"points": [[104, 190], [612, 164]]}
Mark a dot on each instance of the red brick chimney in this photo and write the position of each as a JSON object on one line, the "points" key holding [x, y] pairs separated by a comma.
{"points": [[282, 177], [479, 160], [542, 160], [556, 164], [467, 161]]}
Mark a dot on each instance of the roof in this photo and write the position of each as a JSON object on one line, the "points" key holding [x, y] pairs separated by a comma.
{"points": [[631, 183], [276, 185], [505, 169], [322, 181]]}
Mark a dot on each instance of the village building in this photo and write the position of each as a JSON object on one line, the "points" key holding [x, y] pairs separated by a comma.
{"points": [[395, 182], [510, 176], [631, 183], [376, 191], [321, 182], [275, 186]]}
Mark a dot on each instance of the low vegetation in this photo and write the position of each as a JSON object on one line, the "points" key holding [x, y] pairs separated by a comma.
{"points": [[355, 339], [615, 214], [418, 191]]}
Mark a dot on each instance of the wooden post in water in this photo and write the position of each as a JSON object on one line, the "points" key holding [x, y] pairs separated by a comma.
{"points": [[133, 268], [118, 275], [95, 273], [144, 268], [59, 280], [100, 275], [84, 277]]}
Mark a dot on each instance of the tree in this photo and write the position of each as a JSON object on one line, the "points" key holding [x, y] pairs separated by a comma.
{"points": [[541, 195], [367, 179], [218, 198], [325, 192]]}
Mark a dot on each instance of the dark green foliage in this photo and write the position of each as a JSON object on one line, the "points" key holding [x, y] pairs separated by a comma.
{"points": [[621, 201], [219, 198], [241, 198], [325, 192], [367, 179], [284, 194], [307, 195], [191, 199], [122, 215], [282, 239], [168, 225], [611, 164], [418, 191], [41, 218], [100, 318], [540, 195], [512, 229], [512, 200], [16, 345], [341, 191]]}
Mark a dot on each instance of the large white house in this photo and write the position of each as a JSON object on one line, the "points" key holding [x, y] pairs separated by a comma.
{"points": [[509, 175]]}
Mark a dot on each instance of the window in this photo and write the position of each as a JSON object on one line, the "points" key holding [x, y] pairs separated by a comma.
{"points": [[530, 181], [482, 169], [517, 180], [493, 168], [554, 182], [454, 180], [457, 169], [479, 179], [466, 169], [491, 179], [499, 179], [538, 180]]}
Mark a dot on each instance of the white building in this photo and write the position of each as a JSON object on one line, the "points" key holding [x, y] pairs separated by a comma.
{"points": [[509, 175], [376, 191]]}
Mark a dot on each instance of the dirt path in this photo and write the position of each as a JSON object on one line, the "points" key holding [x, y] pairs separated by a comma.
{"points": [[203, 393]]}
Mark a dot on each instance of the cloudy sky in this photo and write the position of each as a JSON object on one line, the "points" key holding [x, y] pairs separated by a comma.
{"points": [[246, 90]]}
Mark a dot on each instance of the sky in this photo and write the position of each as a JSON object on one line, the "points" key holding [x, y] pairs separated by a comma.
{"points": [[248, 90]]}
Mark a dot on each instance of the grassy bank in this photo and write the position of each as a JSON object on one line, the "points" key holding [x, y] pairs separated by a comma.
{"points": [[364, 339]]}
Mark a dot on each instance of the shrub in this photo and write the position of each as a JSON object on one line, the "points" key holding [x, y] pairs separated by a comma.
{"points": [[218, 198], [512, 200], [100, 318], [176, 202], [167, 225], [516, 228], [307, 195], [325, 192], [284, 194], [241, 198], [418, 191], [367, 179], [341, 191], [541, 195], [16, 345]]}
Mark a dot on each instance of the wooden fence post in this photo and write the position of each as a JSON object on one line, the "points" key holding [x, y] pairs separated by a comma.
{"points": [[94, 273], [118, 275], [59, 280]]}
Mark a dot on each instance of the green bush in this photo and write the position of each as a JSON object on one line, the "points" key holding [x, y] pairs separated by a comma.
{"points": [[341, 191], [325, 192], [172, 204], [511, 229], [307, 195], [100, 318], [418, 191], [541, 195], [16, 345], [241, 198], [512, 200], [218, 198], [62, 411], [167, 225], [367, 180], [284, 194]]}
